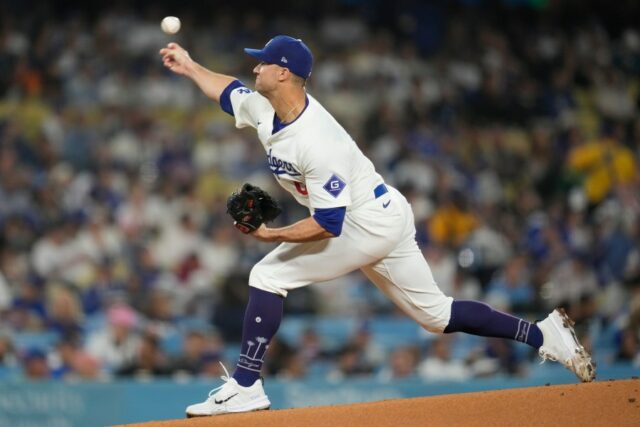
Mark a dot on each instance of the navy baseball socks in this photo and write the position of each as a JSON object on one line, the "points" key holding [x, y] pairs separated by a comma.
{"points": [[243, 392], [478, 318], [261, 322], [553, 337]]}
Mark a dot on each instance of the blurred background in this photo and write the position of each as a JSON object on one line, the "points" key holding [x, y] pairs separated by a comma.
{"points": [[512, 126]]}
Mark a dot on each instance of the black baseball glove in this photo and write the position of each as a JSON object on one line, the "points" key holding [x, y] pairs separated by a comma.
{"points": [[250, 207]]}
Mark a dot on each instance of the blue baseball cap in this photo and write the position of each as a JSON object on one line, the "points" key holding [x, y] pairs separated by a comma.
{"points": [[286, 52]]}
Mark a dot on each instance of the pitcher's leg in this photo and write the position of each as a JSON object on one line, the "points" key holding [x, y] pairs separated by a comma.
{"points": [[407, 280], [290, 266], [262, 319], [243, 391], [478, 318], [405, 277]]}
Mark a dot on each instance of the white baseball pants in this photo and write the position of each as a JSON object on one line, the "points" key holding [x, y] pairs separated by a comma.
{"points": [[378, 240]]}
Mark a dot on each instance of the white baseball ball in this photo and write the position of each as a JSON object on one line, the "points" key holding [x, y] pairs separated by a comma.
{"points": [[170, 24]]}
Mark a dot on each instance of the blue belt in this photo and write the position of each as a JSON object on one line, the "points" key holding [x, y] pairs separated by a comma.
{"points": [[380, 190]]}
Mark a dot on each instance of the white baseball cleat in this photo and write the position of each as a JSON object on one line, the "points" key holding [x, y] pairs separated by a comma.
{"points": [[560, 344], [231, 397]]}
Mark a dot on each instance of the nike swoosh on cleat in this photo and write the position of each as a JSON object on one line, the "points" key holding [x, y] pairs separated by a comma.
{"points": [[219, 402], [384, 205]]}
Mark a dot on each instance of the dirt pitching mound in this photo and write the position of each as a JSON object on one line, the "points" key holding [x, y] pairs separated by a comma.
{"points": [[602, 403]]}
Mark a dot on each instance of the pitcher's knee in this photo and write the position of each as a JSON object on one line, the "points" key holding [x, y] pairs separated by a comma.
{"points": [[434, 328], [261, 278], [435, 317]]}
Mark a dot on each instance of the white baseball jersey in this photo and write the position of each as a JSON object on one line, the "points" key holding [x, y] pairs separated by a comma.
{"points": [[313, 158], [321, 166]]}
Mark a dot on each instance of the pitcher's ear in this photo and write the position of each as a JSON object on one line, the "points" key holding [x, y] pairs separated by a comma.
{"points": [[284, 74]]}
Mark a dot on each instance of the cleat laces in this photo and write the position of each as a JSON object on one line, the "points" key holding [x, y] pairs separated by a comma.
{"points": [[226, 377]]}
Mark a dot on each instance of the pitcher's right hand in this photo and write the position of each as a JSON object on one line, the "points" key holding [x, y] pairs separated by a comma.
{"points": [[177, 59]]}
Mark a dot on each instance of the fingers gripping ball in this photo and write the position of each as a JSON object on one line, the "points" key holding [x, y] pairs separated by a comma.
{"points": [[250, 207]]}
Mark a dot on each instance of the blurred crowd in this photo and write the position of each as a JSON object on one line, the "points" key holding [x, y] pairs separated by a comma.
{"points": [[514, 133]]}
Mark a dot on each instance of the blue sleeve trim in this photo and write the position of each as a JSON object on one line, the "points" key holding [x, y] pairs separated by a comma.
{"points": [[225, 96], [331, 219]]}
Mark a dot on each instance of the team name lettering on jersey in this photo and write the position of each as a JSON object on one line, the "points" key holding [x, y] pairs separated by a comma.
{"points": [[280, 167]]}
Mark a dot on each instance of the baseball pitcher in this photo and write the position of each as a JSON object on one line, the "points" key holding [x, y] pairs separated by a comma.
{"points": [[355, 221]]}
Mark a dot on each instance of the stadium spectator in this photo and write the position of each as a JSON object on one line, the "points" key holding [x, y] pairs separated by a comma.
{"points": [[402, 363], [439, 365], [34, 364], [194, 351], [64, 314], [511, 288], [149, 360], [8, 357], [629, 349], [70, 363], [116, 345], [350, 363]]}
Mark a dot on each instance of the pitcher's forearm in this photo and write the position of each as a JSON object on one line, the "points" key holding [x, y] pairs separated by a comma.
{"points": [[212, 84], [306, 230]]}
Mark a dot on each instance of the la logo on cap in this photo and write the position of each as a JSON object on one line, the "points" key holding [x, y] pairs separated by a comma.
{"points": [[284, 59]]}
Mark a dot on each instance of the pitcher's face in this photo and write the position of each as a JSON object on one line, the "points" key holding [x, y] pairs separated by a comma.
{"points": [[268, 76]]}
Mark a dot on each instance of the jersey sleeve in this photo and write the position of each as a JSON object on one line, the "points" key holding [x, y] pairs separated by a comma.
{"points": [[243, 104], [327, 172], [331, 219]]}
